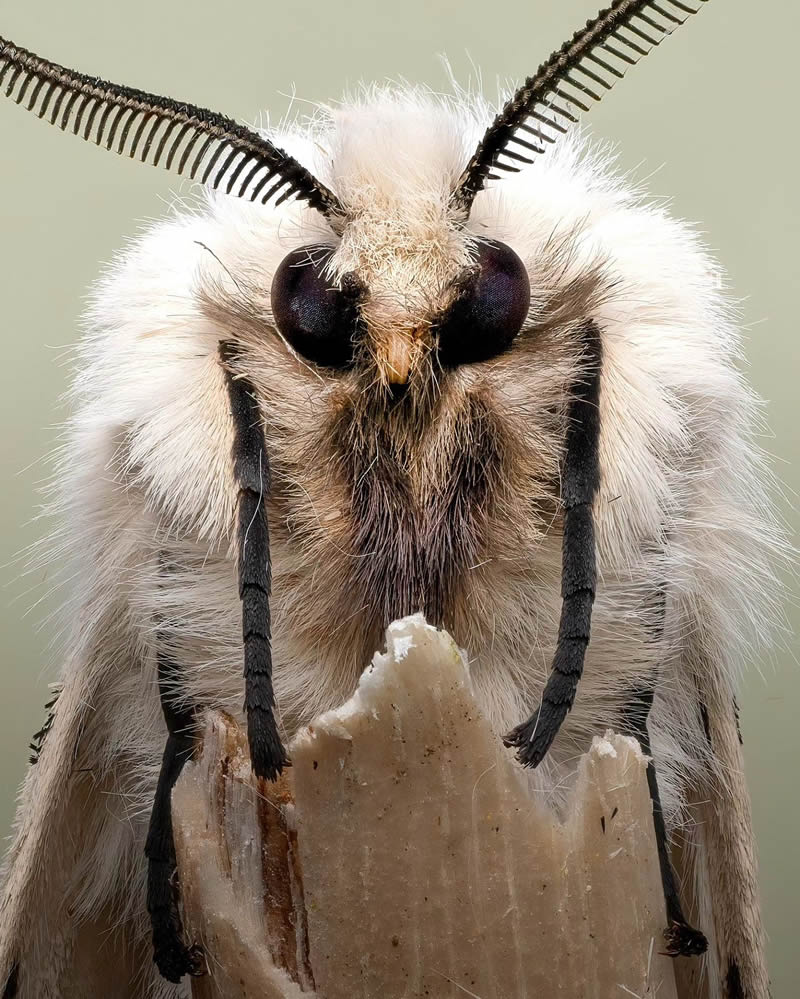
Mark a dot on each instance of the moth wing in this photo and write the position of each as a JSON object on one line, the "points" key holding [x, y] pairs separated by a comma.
{"points": [[73, 919], [50, 945], [150, 424], [714, 851]]}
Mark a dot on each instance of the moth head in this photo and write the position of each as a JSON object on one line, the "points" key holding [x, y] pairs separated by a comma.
{"points": [[332, 323], [402, 291], [391, 290]]}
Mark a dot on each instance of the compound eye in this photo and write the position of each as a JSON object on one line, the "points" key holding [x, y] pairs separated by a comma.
{"points": [[317, 319], [486, 317]]}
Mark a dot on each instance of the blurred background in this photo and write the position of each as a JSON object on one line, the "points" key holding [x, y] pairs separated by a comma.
{"points": [[706, 120]]}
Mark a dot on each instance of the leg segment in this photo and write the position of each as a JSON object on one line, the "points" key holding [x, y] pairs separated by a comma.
{"points": [[251, 468], [580, 480], [173, 958], [682, 939]]}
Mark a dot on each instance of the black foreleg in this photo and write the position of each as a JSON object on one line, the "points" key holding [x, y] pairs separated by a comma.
{"points": [[580, 480], [682, 939], [173, 958], [251, 469]]}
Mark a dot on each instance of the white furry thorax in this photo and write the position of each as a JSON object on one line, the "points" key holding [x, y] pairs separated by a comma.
{"points": [[680, 499], [146, 470]]}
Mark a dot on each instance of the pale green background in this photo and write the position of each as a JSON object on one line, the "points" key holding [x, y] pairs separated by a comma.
{"points": [[711, 112]]}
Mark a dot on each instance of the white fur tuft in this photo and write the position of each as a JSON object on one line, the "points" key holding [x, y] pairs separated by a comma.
{"points": [[146, 468]]}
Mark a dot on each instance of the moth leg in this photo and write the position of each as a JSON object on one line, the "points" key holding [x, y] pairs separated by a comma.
{"points": [[251, 469], [681, 938], [579, 484], [172, 957]]}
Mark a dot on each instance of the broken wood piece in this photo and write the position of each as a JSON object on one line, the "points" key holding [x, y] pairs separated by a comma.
{"points": [[405, 855], [231, 839]]}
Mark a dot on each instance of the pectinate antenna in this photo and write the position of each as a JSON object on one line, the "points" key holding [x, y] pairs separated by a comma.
{"points": [[189, 140], [573, 79]]}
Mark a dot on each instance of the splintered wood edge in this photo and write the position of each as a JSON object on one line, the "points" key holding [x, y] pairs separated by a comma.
{"points": [[248, 903], [218, 843]]}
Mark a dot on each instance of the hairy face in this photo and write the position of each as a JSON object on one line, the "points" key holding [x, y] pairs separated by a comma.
{"points": [[414, 379], [479, 400]]}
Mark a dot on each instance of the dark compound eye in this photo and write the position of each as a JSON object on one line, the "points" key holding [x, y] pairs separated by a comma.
{"points": [[490, 312], [317, 319]]}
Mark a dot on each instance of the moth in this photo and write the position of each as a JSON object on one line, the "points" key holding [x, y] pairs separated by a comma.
{"points": [[412, 355]]}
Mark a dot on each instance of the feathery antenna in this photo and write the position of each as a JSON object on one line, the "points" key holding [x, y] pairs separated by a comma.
{"points": [[187, 139], [576, 76]]}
